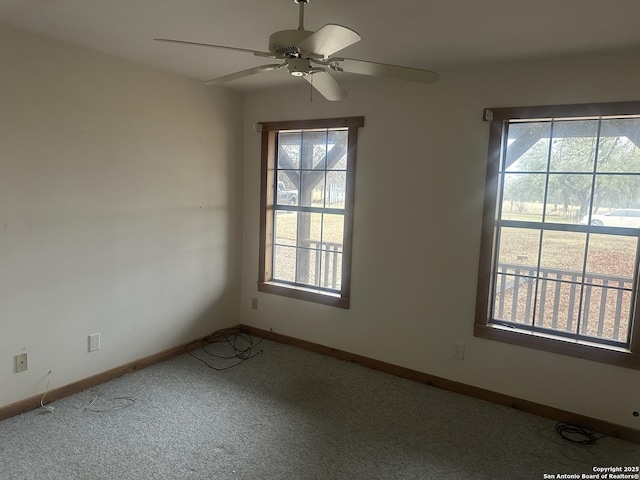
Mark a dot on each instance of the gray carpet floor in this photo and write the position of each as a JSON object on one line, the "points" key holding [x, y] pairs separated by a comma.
{"points": [[286, 414]]}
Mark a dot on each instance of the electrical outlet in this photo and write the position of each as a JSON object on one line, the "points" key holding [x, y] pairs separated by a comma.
{"points": [[94, 342], [458, 351], [21, 362], [254, 303]]}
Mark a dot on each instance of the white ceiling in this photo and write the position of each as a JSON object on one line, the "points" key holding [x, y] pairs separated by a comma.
{"points": [[440, 35]]}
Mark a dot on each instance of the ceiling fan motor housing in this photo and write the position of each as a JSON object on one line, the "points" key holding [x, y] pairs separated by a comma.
{"points": [[284, 44], [299, 67], [299, 49]]}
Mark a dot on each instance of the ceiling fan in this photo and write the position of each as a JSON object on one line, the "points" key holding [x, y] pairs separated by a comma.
{"points": [[308, 55]]}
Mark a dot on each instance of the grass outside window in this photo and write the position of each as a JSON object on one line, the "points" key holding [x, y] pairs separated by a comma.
{"points": [[307, 195], [561, 227]]}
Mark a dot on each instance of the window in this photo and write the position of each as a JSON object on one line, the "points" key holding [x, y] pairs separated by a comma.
{"points": [[561, 234], [307, 188]]}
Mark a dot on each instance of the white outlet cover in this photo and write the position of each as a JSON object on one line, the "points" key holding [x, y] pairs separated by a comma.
{"points": [[94, 342], [21, 363]]}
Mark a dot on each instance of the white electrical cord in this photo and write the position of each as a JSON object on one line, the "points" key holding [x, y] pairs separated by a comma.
{"points": [[48, 408], [125, 402]]}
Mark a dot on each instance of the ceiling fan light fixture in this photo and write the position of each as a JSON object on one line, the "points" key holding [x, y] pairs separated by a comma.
{"points": [[299, 67], [300, 49]]}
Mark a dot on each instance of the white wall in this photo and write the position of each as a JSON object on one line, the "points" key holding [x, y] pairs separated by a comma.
{"points": [[120, 204], [120, 199], [419, 191]]}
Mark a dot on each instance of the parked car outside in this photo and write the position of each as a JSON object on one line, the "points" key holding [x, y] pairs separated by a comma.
{"points": [[287, 196], [623, 217]]}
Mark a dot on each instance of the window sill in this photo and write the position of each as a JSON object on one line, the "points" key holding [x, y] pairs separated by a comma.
{"points": [[575, 348], [307, 294]]}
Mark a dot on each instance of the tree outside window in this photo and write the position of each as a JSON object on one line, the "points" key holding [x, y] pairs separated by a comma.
{"points": [[308, 170], [559, 256]]}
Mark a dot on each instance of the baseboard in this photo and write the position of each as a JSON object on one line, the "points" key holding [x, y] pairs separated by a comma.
{"points": [[27, 404], [552, 413]]}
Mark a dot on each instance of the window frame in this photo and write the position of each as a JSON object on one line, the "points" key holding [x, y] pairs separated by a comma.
{"points": [[483, 326], [268, 197]]}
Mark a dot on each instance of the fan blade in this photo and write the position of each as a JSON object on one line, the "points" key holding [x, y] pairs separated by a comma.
{"points": [[183, 42], [329, 40], [362, 67], [244, 73], [328, 87]]}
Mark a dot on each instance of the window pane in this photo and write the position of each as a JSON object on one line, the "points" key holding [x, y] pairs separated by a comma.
{"points": [[513, 295], [286, 226], [337, 150], [616, 201], [612, 255], [314, 149], [317, 142], [523, 197], [309, 229], [335, 189], [287, 187], [617, 152], [565, 197], [574, 146], [284, 263], [519, 246], [313, 186], [557, 303], [563, 251], [605, 313], [331, 268], [333, 230], [289, 150], [308, 266], [527, 147]]}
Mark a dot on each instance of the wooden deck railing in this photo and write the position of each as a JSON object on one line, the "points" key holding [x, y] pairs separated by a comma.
{"points": [[324, 263], [599, 308]]}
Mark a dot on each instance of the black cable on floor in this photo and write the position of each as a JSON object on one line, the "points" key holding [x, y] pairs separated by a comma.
{"points": [[577, 433], [241, 343]]}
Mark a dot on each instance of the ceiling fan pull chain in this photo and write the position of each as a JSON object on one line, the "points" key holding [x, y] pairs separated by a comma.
{"points": [[311, 90], [299, 49]]}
